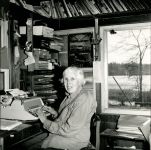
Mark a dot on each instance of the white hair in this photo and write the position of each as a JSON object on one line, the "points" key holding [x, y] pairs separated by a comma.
{"points": [[78, 73]]}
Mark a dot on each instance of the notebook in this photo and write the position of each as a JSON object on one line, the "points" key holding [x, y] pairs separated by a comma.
{"points": [[33, 104], [146, 129]]}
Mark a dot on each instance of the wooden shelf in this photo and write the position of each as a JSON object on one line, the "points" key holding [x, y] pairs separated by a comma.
{"points": [[81, 21], [21, 13], [104, 19]]}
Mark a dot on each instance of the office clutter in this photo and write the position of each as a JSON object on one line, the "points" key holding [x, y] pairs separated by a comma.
{"points": [[16, 108], [121, 135], [130, 123], [16, 111], [28, 51], [43, 84], [39, 31], [133, 124], [7, 97], [46, 48]]}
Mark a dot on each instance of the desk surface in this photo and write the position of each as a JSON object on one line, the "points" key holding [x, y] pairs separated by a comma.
{"points": [[112, 133]]}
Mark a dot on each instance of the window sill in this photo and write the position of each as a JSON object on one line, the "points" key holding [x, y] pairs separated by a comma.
{"points": [[143, 112]]}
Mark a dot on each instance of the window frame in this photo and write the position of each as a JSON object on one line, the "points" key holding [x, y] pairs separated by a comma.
{"points": [[104, 68]]}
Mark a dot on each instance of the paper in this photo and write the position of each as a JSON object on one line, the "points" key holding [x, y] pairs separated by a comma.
{"points": [[17, 92], [9, 124], [30, 59], [133, 124]]}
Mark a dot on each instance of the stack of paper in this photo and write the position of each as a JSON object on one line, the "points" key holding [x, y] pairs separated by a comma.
{"points": [[132, 123], [6, 124]]}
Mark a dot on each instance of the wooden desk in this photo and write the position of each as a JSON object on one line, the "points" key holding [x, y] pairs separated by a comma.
{"points": [[23, 132], [112, 139]]}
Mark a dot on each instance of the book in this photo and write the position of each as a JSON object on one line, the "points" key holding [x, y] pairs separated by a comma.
{"points": [[122, 5], [40, 11], [141, 6], [109, 4], [85, 9], [43, 87], [58, 10], [75, 10], [78, 9], [54, 13], [62, 10], [66, 8], [127, 5], [106, 7], [71, 9], [132, 123], [100, 6], [91, 7], [6, 124], [22, 3], [117, 5], [133, 6], [46, 6], [82, 9], [145, 4], [92, 4], [97, 6], [88, 7]]}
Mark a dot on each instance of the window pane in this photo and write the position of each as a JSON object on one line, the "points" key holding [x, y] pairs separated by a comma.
{"points": [[129, 68]]}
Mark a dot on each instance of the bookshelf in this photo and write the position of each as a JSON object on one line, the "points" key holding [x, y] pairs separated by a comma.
{"points": [[107, 11], [92, 7], [40, 79]]}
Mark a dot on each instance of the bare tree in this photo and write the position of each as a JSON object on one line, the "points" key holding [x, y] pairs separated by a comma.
{"points": [[135, 42], [141, 47]]}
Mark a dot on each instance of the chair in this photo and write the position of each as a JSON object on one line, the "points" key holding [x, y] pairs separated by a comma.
{"points": [[99, 123]]}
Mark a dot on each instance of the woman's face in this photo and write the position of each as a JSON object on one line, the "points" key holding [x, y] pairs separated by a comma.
{"points": [[71, 83]]}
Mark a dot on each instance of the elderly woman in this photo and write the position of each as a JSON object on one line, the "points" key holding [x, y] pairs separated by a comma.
{"points": [[71, 128]]}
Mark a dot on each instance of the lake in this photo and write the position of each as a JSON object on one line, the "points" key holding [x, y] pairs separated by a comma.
{"points": [[126, 82]]}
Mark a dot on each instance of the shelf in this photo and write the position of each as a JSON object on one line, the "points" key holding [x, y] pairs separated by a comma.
{"points": [[81, 21], [104, 19], [48, 49], [23, 13]]}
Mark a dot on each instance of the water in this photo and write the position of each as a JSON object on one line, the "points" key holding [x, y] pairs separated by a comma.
{"points": [[126, 82]]}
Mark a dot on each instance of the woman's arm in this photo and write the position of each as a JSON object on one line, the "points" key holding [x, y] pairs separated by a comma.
{"points": [[78, 118]]}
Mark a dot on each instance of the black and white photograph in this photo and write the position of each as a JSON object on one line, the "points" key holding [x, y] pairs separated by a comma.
{"points": [[75, 75]]}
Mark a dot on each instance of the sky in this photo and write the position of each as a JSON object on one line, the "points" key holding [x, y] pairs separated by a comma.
{"points": [[122, 46]]}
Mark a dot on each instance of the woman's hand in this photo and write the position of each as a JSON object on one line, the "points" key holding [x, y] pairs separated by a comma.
{"points": [[41, 115], [49, 109]]}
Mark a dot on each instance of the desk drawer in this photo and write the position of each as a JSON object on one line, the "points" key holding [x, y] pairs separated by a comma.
{"points": [[20, 135]]}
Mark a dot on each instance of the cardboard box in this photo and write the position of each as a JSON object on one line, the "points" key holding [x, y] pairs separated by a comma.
{"points": [[39, 31]]}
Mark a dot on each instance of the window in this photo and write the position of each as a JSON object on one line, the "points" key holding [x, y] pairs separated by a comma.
{"points": [[126, 66]]}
